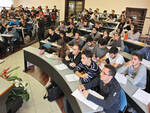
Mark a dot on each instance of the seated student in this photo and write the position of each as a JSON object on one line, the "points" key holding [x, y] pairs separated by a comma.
{"points": [[121, 24], [86, 25], [51, 36], [74, 57], [87, 69], [145, 52], [2, 29], [105, 15], [15, 37], [116, 41], [114, 58], [95, 34], [63, 37], [77, 40], [62, 27], [133, 34], [71, 29], [100, 50], [89, 44], [90, 11], [114, 16], [70, 21], [13, 22], [80, 23], [136, 71], [108, 87], [94, 20], [106, 36]]}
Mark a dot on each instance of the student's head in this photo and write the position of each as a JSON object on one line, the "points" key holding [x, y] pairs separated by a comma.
{"points": [[62, 24], [86, 23], [51, 30], [113, 11], [94, 30], [62, 34], [105, 12], [101, 43], [113, 52], [117, 35], [86, 57], [89, 40], [77, 35], [97, 24], [106, 33], [136, 59], [76, 50], [107, 73]]}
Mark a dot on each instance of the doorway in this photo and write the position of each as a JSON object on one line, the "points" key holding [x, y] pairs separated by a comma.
{"points": [[73, 7]]}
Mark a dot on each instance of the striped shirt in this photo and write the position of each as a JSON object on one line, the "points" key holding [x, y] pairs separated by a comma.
{"points": [[93, 70]]}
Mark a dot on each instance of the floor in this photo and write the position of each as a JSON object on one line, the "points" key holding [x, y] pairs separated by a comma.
{"points": [[36, 103]]}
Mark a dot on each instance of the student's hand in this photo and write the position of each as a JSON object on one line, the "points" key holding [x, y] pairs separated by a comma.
{"points": [[85, 93], [67, 58], [85, 75], [81, 88], [128, 63], [72, 64]]}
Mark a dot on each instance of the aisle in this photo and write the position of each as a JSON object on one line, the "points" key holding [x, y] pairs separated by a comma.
{"points": [[36, 104]]}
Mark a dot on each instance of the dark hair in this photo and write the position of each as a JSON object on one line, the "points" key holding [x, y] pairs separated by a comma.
{"points": [[105, 11], [113, 50], [112, 69], [138, 55], [87, 53], [106, 31], [52, 28], [135, 30], [89, 39], [78, 46], [77, 32], [62, 32], [95, 28], [102, 41]]}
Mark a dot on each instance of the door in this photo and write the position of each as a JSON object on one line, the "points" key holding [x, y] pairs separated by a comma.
{"points": [[73, 7]]}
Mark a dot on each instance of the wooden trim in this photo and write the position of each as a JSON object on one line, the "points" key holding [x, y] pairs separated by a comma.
{"points": [[6, 90]]}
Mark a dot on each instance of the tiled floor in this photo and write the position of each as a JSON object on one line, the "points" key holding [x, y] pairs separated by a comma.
{"points": [[36, 104]]}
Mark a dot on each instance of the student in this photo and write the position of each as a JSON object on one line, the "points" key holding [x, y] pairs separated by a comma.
{"points": [[136, 71], [77, 40], [116, 41], [86, 25], [87, 69], [145, 52], [114, 58], [89, 45], [14, 22], [105, 15], [100, 50], [74, 57], [62, 27], [113, 15], [106, 36], [108, 87], [95, 34], [71, 29], [51, 36], [133, 34], [80, 23]]}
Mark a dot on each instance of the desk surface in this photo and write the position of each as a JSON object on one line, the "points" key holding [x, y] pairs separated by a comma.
{"points": [[47, 65], [7, 35]]}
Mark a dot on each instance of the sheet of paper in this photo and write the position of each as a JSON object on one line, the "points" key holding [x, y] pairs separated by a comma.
{"points": [[50, 56], [61, 67], [1, 61], [94, 93], [121, 78], [142, 96], [78, 95], [146, 63], [72, 77]]}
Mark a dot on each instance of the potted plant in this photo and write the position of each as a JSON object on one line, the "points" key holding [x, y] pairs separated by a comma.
{"points": [[17, 94]]}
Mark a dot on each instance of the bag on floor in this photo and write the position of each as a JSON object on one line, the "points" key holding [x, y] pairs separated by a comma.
{"points": [[54, 92]]}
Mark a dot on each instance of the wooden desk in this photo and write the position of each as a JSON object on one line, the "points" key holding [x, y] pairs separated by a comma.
{"points": [[48, 66], [5, 87]]}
